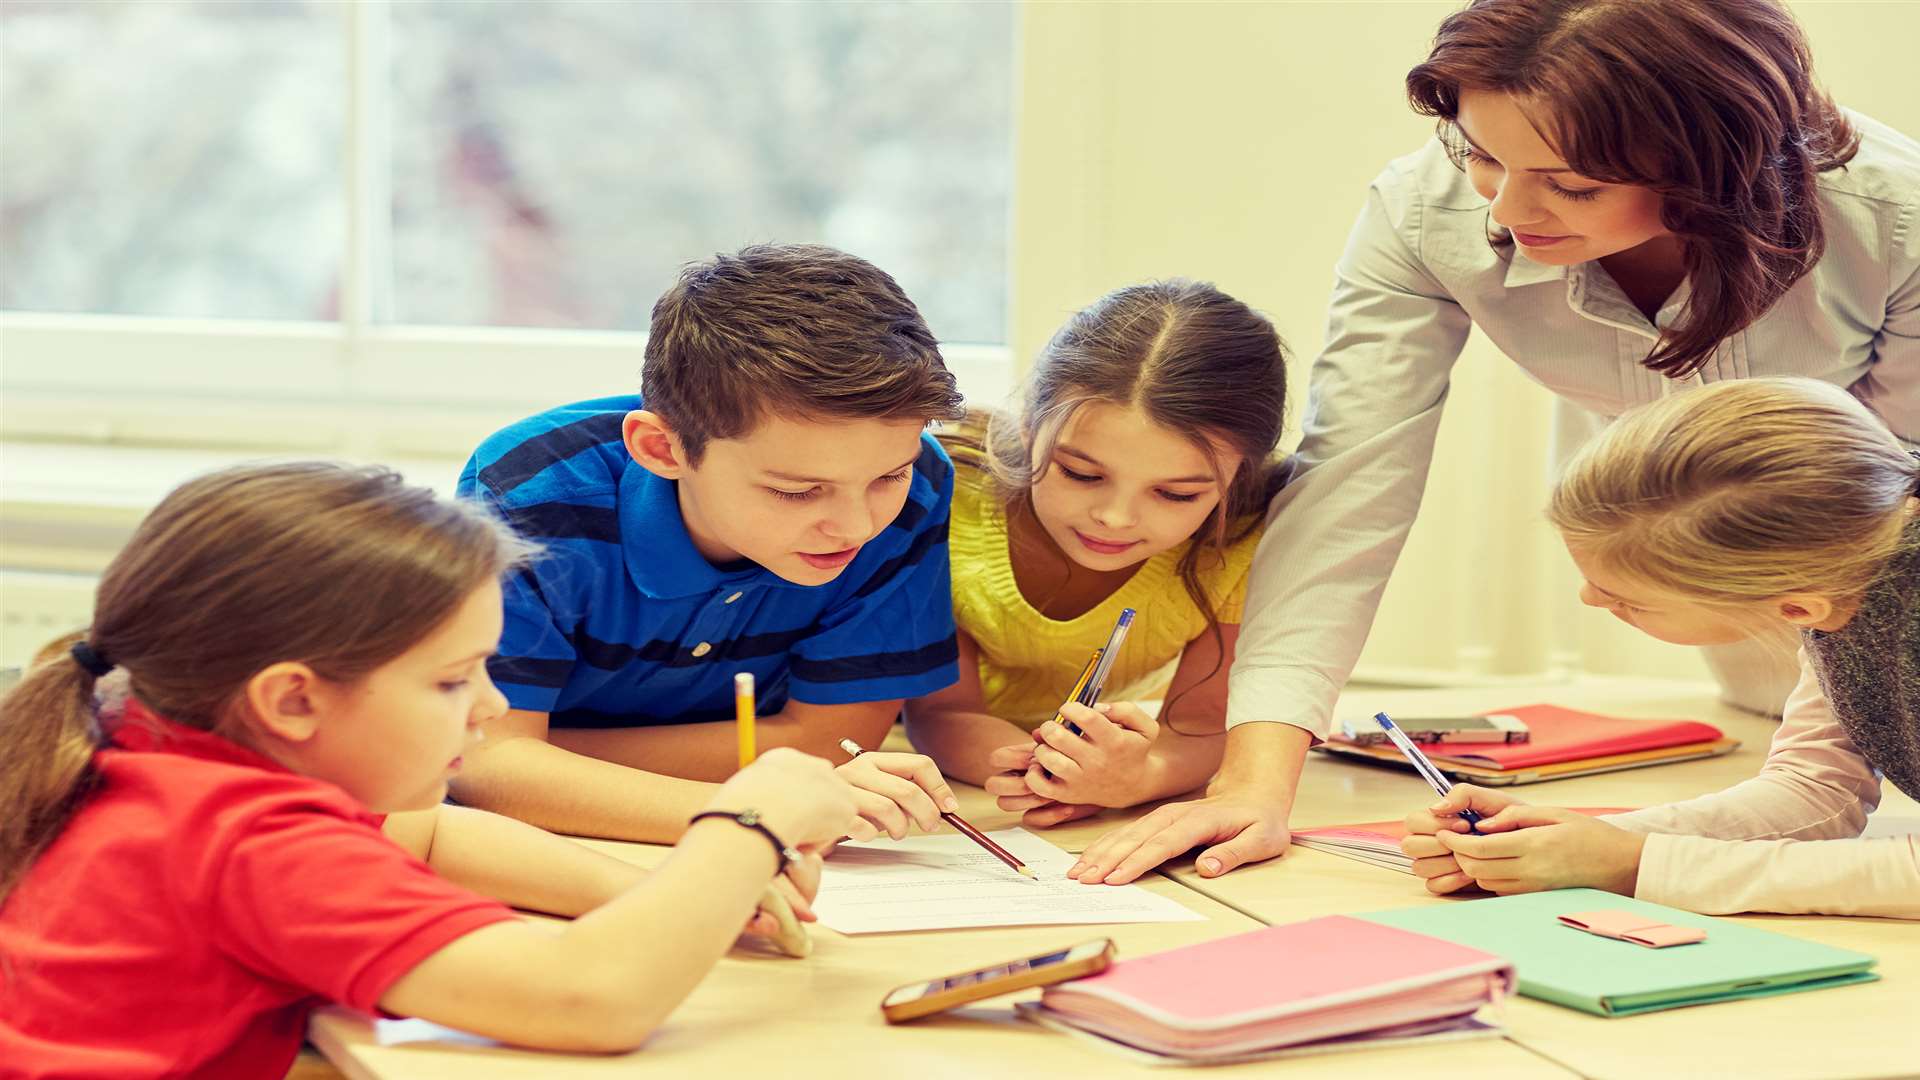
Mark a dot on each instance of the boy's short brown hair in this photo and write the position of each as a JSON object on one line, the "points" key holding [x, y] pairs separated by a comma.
{"points": [[795, 327]]}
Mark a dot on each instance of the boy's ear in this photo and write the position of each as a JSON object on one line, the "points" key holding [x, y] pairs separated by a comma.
{"points": [[283, 699], [652, 442], [1805, 609]]}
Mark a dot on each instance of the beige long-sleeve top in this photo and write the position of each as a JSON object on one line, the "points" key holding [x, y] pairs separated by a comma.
{"points": [[1787, 840]]}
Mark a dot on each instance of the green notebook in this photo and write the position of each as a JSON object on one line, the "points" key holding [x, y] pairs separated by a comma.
{"points": [[1618, 978]]}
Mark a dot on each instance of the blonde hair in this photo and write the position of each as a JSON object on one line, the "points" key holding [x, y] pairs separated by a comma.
{"points": [[1740, 492], [340, 568]]}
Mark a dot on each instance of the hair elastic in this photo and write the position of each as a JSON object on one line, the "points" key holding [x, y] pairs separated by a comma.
{"points": [[95, 663]]}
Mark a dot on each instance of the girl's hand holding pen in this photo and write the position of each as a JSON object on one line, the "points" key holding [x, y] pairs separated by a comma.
{"points": [[1520, 848], [1010, 784], [1105, 765], [1433, 860]]}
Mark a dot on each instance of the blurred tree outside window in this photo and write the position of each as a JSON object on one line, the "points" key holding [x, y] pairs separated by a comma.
{"points": [[176, 159], [547, 164]]}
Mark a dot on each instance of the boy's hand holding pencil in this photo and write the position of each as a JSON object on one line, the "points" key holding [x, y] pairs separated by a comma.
{"points": [[895, 793]]}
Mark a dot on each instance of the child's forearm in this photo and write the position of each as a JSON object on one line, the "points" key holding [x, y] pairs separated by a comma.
{"points": [[1180, 763], [959, 742], [689, 911], [557, 789], [525, 866], [605, 981]]}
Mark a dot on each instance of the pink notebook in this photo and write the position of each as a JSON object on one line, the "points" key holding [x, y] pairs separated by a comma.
{"points": [[1282, 986], [1570, 735]]}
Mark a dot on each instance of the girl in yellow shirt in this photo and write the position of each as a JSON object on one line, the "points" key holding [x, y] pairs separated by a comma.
{"points": [[1137, 475]]}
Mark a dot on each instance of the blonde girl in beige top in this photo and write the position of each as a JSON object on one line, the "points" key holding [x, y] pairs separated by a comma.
{"points": [[1739, 510]]}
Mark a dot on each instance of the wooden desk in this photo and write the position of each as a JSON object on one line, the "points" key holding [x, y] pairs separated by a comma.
{"points": [[1861, 1031], [766, 1017], [1336, 791]]}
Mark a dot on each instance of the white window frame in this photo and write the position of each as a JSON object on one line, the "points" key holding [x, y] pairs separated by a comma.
{"points": [[360, 385]]}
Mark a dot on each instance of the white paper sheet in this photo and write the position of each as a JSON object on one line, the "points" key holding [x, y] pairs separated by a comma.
{"points": [[945, 882]]}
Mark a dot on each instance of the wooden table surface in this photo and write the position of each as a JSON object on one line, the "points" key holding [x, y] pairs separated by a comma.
{"points": [[766, 1016]]}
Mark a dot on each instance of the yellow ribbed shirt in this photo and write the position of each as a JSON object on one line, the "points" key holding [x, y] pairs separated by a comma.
{"points": [[1028, 662]]}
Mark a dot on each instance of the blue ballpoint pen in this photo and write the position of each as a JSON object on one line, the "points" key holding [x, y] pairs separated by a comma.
{"points": [[1097, 682], [1424, 767]]}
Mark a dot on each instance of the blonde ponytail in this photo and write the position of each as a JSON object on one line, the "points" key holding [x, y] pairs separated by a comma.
{"points": [[1742, 491]]}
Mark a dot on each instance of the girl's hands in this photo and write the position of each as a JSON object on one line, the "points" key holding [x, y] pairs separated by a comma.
{"points": [[1520, 848], [1534, 848], [895, 792], [1062, 777], [1105, 765], [1010, 784], [798, 885], [1432, 860]]}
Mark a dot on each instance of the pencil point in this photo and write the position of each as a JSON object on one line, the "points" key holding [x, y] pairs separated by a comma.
{"points": [[1027, 872]]}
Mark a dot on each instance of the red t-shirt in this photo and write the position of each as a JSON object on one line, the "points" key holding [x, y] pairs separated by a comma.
{"points": [[198, 906]]}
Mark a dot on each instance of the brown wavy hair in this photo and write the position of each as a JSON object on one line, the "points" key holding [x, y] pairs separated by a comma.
{"points": [[1195, 361], [340, 568], [789, 329], [1711, 104]]}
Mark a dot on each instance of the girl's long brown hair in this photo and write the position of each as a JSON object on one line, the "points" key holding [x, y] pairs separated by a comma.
{"points": [[1193, 360], [1709, 103], [340, 568]]}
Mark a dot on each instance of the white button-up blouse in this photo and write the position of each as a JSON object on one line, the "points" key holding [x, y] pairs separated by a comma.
{"points": [[1417, 273]]}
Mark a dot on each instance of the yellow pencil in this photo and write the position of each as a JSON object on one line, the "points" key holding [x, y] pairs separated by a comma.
{"points": [[1078, 686], [743, 716]]}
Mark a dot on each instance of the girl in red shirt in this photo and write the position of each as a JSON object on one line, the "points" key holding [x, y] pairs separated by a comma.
{"points": [[304, 647]]}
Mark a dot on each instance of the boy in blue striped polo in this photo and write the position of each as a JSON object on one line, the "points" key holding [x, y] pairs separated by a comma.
{"points": [[770, 503]]}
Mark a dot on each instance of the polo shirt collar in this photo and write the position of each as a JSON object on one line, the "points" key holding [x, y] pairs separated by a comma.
{"points": [[142, 730], [660, 554]]}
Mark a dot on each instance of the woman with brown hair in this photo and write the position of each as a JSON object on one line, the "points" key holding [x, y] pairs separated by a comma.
{"points": [[1626, 197]]}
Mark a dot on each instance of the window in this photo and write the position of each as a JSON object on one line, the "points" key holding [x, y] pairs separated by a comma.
{"points": [[553, 164], [172, 159], [353, 202]]}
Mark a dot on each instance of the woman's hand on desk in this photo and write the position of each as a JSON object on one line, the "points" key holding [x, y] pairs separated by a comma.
{"points": [[1236, 827]]}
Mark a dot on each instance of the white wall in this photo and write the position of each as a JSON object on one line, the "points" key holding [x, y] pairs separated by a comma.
{"points": [[1234, 142]]}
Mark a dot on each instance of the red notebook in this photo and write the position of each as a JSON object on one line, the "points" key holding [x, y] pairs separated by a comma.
{"points": [[1568, 735], [1288, 985]]}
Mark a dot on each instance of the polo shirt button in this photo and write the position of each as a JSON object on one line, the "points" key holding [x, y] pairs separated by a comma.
{"points": [[702, 649], [732, 598]]}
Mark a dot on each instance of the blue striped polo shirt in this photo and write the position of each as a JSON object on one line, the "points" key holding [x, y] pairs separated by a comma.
{"points": [[622, 622]]}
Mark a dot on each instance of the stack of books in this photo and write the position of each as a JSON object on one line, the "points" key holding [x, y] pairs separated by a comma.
{"points": [[1563, 743]]}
